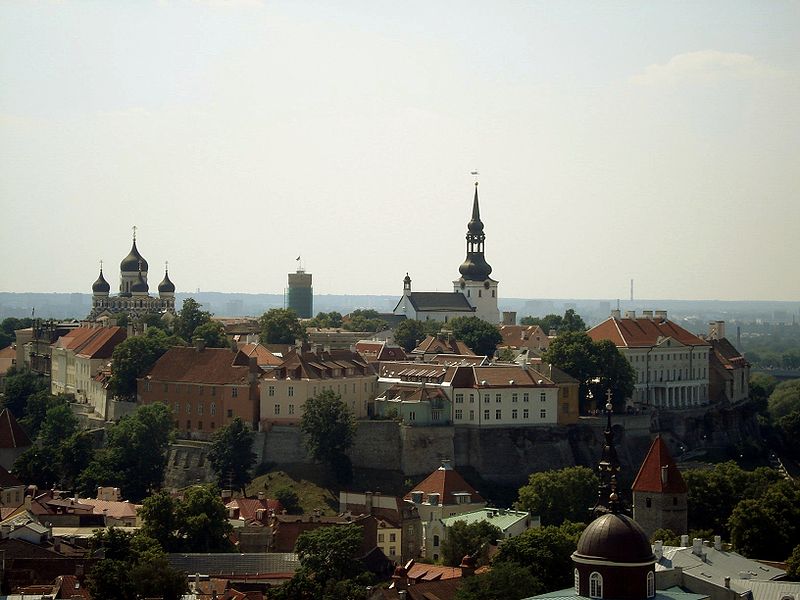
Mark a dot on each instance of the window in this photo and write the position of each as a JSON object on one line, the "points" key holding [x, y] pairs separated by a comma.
{"points": [[498, 414], [542, 397], [459, 398], [436, 415], [674, 501], [486, 398], [166, 387], [199, 390], [188, 408], [271, 391], [472, 415], [177, 408], [212, 408], [147, 386], [436, 541], [291, 409], [486, 415], [188, 424], [493, 293], [412, 416], [199, 408], [277, 409], [526, 397], [577, 582], [459, 414], [595, 585], [480, 293], [230, 413], [392, 550], [291, 391], [651, 584], [514, 397], [235, 392], [380, 538], [525, 413], [213, 424], [392, 537], [200, 425], [498, 398], [648, 502], [514, 413], [565, 408], [213, 390], [472, 398], [543, 413]]}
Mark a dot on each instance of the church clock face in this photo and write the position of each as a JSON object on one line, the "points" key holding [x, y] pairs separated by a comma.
{"points": [[486, 284]]}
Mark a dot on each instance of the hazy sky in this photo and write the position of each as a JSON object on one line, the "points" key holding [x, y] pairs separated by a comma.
{"points": [[658, 141]]}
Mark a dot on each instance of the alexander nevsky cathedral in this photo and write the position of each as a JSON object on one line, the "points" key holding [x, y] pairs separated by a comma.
{"points": [[134, 293]]}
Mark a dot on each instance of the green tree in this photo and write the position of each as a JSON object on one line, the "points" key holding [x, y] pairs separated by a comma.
{"points": [[788, 428], [134, 458], [288, 499], [10, 324], [280, 326], [714, 493], [481, 337], [324, 320], [189, 318], [504, 581], [597, 365], [213, 334], [667, 536], [328, 430], [110, 578], [364, 320], [59, 424], [36, 410], [18, 388], [410, 332], [202, 520], [231, 454], [37, 466], [761, 387], [75, 454], [793, 564], [557, 496], [768, 527], [5, 339], [548, 548], [784, 399], [158, 519], [473, 539], [132, 359], [571, 321]]}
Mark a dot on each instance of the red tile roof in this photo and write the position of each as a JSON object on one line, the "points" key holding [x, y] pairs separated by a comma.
{"points": [[189, 365], [658, 473], [445, 481], [523, 336], [262, 354], [92, 342], [642, 332], [7, 480], [441, 345], [11, 433], [248, 508]]}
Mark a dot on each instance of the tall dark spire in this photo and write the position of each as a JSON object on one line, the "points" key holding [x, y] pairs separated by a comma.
{"points": [[608, 499], [475, 267]]}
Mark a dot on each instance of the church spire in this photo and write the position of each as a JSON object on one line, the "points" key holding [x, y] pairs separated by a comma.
{"points": [[608, 499], [475, 267]]}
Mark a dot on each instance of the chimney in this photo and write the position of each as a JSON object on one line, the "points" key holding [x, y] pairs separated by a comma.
{"points": [[658, 549], [697, 546], [647, 314], [728, 582], [509, 317], [261, 495], [716, 330], [717, 542], [664, 474], [368, 502], [615, 314], [661, 314], [630, 314], [199, 344], [684, 541]]}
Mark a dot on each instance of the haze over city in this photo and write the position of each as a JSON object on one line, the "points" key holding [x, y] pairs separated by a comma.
{"points": [[655, 141]]}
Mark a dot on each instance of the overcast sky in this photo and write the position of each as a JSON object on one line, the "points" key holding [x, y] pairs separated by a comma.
{"points": [[658, 141]]}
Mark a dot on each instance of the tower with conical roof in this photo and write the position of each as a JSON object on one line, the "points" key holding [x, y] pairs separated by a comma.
{"points": [[660, 495], [475, 283]]}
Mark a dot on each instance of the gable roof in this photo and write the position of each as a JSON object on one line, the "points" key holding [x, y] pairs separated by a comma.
{"points": [[659, 473], [727, 355], [189, 365], [434, 344], [11, 433], [373, 350], [439, 302], [92, 342], [642, 332], [263, 355], [446, 482], [523, 336]]}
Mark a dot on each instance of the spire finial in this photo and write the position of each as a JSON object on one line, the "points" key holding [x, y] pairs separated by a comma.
{"points": [[101, 266], [608, 499], [166, 266], [134, 233]]}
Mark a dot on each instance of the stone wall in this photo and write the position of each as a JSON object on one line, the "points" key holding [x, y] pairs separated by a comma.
{"points": [[187, 464]]}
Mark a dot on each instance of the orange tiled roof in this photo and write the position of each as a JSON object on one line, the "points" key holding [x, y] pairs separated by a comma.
{"points": [[11, 433], [262, 354], [92, 342], [650, 477], [642, 332], [249, 507], [115, 509], [189, 365], [440, 345], [445, 481], [522, 336]]}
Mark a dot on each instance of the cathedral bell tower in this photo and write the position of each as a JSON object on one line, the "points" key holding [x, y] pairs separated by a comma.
{"points": [[475, 283]]}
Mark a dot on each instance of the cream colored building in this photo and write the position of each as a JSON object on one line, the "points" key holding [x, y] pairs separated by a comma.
{"points": [[284, 390]]}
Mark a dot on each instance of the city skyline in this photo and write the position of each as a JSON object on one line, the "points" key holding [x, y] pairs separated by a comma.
{"points": [[651, 142]]}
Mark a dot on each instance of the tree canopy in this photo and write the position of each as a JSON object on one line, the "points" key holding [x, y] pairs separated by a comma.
{"points": [[231, 454], [134, 457], [133, 357], [472, 539], [325, 320], [189, 318], [213, 335], [280, 326], [481, 337], [597, 365], [364, 320], [571, 321], [784, 399], [20, 386], [504, 581], [768, 527], [557, 496], [328, 430], [410, 332]]}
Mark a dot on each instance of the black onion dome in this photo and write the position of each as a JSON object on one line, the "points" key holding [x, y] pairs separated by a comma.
{"points": [[166, 286], [132, 262], [616, 538], [475, 268], [140, 286], [101, 286]]}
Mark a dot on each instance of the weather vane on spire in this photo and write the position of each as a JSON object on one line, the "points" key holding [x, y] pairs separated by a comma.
{"points": [[475, 174], [134, 233]]}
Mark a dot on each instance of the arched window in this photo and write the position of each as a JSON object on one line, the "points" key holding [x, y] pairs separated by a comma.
{"points": [[577, 582], [651, 584], [595, 585]]}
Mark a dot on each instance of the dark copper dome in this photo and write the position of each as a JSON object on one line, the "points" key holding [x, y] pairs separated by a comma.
{"points": [[101, 286], [133, 262], [616, 538]]}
